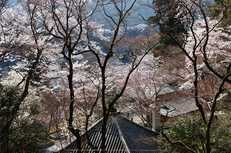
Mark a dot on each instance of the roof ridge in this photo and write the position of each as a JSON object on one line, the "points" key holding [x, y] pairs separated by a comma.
{"points": [[121, 135]]}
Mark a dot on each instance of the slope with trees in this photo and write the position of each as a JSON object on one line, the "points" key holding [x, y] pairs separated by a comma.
{"points": [[68, 31], [47, 42], [206, 60]]}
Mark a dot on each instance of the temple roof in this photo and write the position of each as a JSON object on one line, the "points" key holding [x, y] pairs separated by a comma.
{"points": [[122, 135]]}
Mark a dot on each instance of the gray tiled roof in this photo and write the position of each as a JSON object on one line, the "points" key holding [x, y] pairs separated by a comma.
{"points": [[138, 138], [122, 136], [179, 107], [167, 89]]}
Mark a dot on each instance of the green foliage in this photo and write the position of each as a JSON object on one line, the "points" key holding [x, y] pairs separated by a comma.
{"points": [[218, 7], [165, 16], [9, 106], [17, 131], [191, 132], [221, 134], [10, 100], [34, 109], [160, 50], [27, 135]]}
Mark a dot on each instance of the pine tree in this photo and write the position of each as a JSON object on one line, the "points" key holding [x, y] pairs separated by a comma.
{"points": [[168, 18], [219, 7]]}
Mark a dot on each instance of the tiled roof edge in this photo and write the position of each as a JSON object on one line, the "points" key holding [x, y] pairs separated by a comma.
{"points": [[92, 126]]}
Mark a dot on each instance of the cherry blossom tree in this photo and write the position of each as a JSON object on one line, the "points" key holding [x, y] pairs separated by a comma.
{"points": [[67, 23], [70, 24], [3, 3], [116, 39], [203, 54], [22, 46], [46, 42], [144, 87]]}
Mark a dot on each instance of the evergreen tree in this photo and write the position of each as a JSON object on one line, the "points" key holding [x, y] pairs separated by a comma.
{"points": [[168, 18], [18, 133], [10, 100], [219, 7]]}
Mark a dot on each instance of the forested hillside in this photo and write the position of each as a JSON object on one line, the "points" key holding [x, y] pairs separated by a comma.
{"points": [[64, 64]]}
